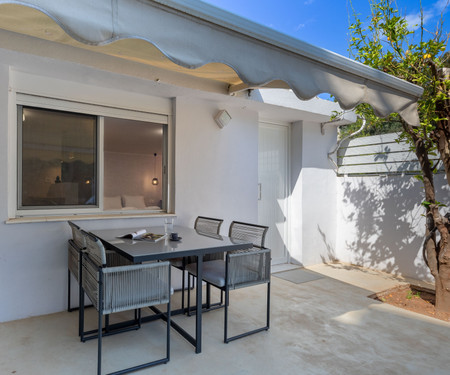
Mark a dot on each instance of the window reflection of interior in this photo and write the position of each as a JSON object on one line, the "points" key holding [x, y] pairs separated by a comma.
{"points": [[58, 159], [133, 160], [59, 165]]}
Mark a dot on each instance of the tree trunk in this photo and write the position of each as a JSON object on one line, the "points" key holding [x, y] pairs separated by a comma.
{"points": [[442, 139], [438, 255], [442, 282], [442, 285]]}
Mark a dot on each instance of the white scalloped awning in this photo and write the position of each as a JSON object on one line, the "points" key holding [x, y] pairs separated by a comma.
{"points": [[194, 38]]}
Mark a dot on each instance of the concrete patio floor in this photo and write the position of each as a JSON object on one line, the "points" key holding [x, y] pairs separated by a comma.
{"points": [[323, 326]]}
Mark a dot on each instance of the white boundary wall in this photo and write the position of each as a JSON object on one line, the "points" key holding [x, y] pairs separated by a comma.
{"points": [[379, 217]]}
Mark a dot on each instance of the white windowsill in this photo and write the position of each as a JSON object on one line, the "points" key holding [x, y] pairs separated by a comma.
{"points": [[102, 216]]}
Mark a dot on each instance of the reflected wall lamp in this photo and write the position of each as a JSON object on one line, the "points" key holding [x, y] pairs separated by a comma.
{"points": [[155, 179]]}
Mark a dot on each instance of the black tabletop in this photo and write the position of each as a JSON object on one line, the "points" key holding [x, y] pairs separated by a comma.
{"points": [[192, 243]]}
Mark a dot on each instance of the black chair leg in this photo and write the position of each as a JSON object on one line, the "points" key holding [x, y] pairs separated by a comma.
{"points": [[208, 295], [208, 305], [99, 348], [189, 296], [225, 328], [268, 305], [106, 323], [183, 286], [265, 328], [68, 291], [168, 331], [81, 314]]}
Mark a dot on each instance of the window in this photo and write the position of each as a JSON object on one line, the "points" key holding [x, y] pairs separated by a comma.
{"points": [[58, 159], [133, 160], [90, 163]]}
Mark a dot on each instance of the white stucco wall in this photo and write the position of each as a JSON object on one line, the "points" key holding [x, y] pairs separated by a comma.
{"points": [[380, 223], [313, 198], [319, 194], [375, 222], [216, 169], [295, 200], [216, 174]]}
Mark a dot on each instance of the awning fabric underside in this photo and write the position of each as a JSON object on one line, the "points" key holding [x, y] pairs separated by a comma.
{"points": [[192, 34]]}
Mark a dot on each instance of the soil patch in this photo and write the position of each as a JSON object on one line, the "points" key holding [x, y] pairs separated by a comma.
{"points": [[413, 298]]}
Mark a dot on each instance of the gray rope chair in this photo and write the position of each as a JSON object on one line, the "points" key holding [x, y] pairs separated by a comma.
{"points": [[203, 225], [240, 269], [207, 225], [122, 288], [76, 245]]}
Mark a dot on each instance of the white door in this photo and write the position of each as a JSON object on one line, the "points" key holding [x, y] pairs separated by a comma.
{"points": [[273, 174]]}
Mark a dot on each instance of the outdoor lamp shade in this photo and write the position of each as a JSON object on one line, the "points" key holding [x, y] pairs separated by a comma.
{"points": [[155, 181]]}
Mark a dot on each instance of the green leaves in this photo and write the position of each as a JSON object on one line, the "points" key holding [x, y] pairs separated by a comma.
{"points": [[384, 42], [411, 294], [427, 204]]}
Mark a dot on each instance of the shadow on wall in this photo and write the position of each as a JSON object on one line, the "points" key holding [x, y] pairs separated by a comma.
{"points": [[384, 217], [331, 251]]}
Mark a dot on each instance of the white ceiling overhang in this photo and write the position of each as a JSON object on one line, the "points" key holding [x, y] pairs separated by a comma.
{"points": [[203, 41]]}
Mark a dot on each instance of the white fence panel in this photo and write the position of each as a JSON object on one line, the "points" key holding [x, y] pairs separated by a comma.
{"points": [[388, 147], [378, 154]]}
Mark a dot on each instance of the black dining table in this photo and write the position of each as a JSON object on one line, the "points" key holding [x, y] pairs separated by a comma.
{"points": [[191, 243]]}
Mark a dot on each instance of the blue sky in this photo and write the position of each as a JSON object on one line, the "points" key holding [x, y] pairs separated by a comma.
{"points": [[324, 23]]}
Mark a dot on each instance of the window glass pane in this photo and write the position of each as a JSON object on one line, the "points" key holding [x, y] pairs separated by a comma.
{"points": [[133, 160], [58, 159]]}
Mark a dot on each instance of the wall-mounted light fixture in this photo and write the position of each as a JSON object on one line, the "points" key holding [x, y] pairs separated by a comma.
{"points": [[344, 118], [222, 118], [155, 179]]}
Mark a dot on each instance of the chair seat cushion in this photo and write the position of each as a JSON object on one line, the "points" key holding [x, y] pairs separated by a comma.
{"points": [[213, 272], [177, 262], [114, 259]]}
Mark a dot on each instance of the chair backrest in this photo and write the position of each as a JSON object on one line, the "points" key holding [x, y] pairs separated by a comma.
{"points": [[77, 237], [73, 258], [208, 224], [124, 287], [95, 249], [248, 267], [249, 232]]}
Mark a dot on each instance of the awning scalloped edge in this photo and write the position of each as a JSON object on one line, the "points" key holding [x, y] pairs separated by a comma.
{"points": [[192, 42]]}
